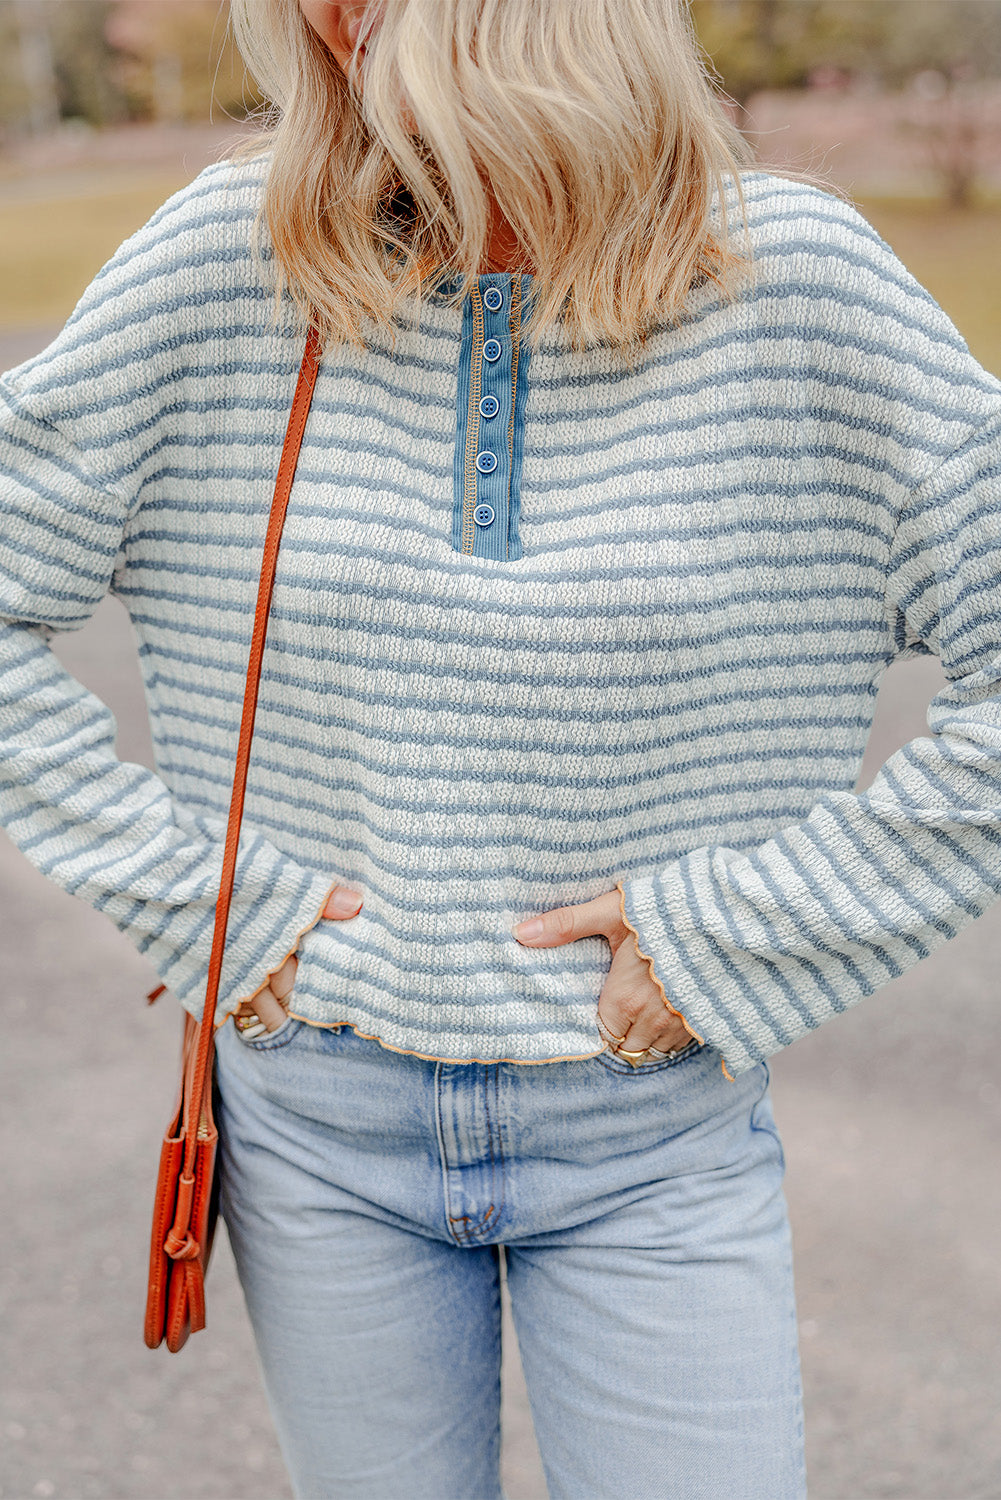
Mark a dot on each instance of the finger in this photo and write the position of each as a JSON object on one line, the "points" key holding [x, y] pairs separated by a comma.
{"points": [[632, 1004], [626, 1022], [613, 1034], [283, 979], [640, 1035], [640, 1025], [629, 994], [650, 1031], [565, 924], [267, 1006], [677, 1026], [342, 902], [270, 1009]]}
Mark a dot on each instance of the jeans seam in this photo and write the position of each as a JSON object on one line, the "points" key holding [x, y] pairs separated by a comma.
{"points": [[443, 1154], [493, 1214], [487, 1224], [474, 1232]]}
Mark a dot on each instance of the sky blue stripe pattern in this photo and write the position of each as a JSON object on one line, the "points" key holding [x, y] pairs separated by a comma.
{"points": [[656, 674]]}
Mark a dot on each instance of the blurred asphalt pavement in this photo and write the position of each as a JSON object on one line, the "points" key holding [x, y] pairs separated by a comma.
{"points": [[891, 1122]]}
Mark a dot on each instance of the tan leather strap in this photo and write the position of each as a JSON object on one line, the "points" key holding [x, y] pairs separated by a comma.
{"points": [[283, 486]]}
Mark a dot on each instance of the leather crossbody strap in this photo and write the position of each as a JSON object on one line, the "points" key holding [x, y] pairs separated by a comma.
{"points": [[301, 402]]}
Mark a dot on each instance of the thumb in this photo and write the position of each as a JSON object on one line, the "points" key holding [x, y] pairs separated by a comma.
{"points": [[342, 902], [565, 924]]}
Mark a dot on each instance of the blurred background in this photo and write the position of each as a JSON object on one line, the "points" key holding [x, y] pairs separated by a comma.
{"points": [[890, 1115]]}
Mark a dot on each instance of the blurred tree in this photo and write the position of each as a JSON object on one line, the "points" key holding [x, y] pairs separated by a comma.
{"points": [[958, 124], [775, 44], [943, 57], [178, 60], [38, 75], [771, 44], [896, 39], [14, 108], [105, 61], [85, 62], [55, 62]]}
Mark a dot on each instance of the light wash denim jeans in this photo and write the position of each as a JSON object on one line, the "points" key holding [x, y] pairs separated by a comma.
{"points": [[647, 1251]]}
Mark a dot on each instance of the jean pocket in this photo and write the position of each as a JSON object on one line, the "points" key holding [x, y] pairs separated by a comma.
{"points": [[270, 1041], [613, 1064]]}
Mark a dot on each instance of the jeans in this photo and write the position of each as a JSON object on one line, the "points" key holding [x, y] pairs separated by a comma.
{"points": [[646, 1247]]}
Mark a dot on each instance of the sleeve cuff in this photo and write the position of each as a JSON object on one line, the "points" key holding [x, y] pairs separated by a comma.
{"points": [[642, 903], [259, 939], [272, 964]]}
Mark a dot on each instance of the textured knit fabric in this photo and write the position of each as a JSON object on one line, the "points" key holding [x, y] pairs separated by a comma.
{"points": [[669, 690]]}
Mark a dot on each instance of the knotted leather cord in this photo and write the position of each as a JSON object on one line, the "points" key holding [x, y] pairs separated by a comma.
{"points": [[195, 1097]]}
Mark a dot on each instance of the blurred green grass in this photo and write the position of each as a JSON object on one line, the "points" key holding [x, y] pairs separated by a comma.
{"points": [[51, 247], [955, 254]]}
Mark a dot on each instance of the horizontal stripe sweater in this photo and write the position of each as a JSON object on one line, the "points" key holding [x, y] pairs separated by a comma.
{"points": [[543, 627]]}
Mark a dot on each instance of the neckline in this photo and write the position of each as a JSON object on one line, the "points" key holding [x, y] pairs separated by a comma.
{"points": [[485, 279], [440, 283], [439, 280]]}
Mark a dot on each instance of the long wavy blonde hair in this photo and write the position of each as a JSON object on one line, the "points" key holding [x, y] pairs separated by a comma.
{"points": [[598, 125]]}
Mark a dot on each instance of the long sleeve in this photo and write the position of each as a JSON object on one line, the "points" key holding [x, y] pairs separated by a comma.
{"points": [[757, 947], [79, 428]]}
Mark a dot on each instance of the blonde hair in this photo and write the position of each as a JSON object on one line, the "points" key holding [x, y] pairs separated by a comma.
{"points": [[597, 124]]}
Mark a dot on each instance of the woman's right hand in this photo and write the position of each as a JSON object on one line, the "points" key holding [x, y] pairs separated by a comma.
{"points": [[270, 1004]]}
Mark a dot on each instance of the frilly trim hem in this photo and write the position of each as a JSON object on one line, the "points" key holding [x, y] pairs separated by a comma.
{"points": [[298, 938], [371, 1036], [657, 980]]}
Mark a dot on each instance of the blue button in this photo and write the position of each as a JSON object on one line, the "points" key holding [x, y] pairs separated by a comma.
{"points": [[489, 406], [486, 462], [493, 298], [491, 350], [483, 515]]}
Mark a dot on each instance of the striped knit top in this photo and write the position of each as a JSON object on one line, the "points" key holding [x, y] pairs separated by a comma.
{"points": [[542, 627]]}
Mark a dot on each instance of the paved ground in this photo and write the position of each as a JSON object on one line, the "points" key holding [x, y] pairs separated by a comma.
{"points": [[891, 1119]]}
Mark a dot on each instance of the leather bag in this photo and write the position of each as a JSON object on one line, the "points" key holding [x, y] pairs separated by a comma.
{"points": [[186, 1206]]}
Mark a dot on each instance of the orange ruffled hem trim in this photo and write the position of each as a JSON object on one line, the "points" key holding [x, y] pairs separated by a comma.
{"points": [[656, 977], [428, 1057], [521, 1062], [371, 1036]]}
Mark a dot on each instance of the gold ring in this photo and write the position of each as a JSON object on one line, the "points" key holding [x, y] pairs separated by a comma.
{"points": [[630, 1056], [608, 1034]]}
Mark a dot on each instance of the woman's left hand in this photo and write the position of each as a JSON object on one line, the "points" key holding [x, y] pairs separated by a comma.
{"points": [[631, 1003]]}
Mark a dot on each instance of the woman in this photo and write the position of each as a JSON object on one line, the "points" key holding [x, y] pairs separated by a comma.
{"points": [[629, 469]]}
